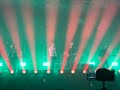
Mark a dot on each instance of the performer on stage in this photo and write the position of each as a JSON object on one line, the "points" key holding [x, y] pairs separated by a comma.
{"points": [[52, 56]]}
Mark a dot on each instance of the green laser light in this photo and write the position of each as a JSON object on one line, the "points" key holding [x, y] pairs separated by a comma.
{"points": [[1, 64], [92, 63], [114, 64], [23, 64], [45, 64]]}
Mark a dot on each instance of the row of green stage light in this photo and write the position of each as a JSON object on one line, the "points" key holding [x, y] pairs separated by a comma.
{"points": [[23, 64]]}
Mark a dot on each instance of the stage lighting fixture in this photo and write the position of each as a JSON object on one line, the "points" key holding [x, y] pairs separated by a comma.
{"points": [[61, 71], [72, 71], [45, 64], [92, 63], [35, 71], [84, 71], [119, 71], [23, 71], [11, 71], [48, 71], [1, 64], [114, 64], [22, 64]]}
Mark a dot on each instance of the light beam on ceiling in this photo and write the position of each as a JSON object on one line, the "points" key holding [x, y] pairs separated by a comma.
{"points": [[3, 53], [115, 60], [12, 25], [72, 28], [28, 15], [87, 30], [52, 13], [110, 48], [107, 17]]}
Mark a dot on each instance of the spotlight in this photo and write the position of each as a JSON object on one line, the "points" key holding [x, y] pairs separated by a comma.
{"points": [[84, 71], [45, 64], [35, 71], [92, 63], [1, 64], [61, 72], [48, 71], [119, 71], [23, 71], [114, 64], [72, 71], [11, 71], [22, 64]]}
